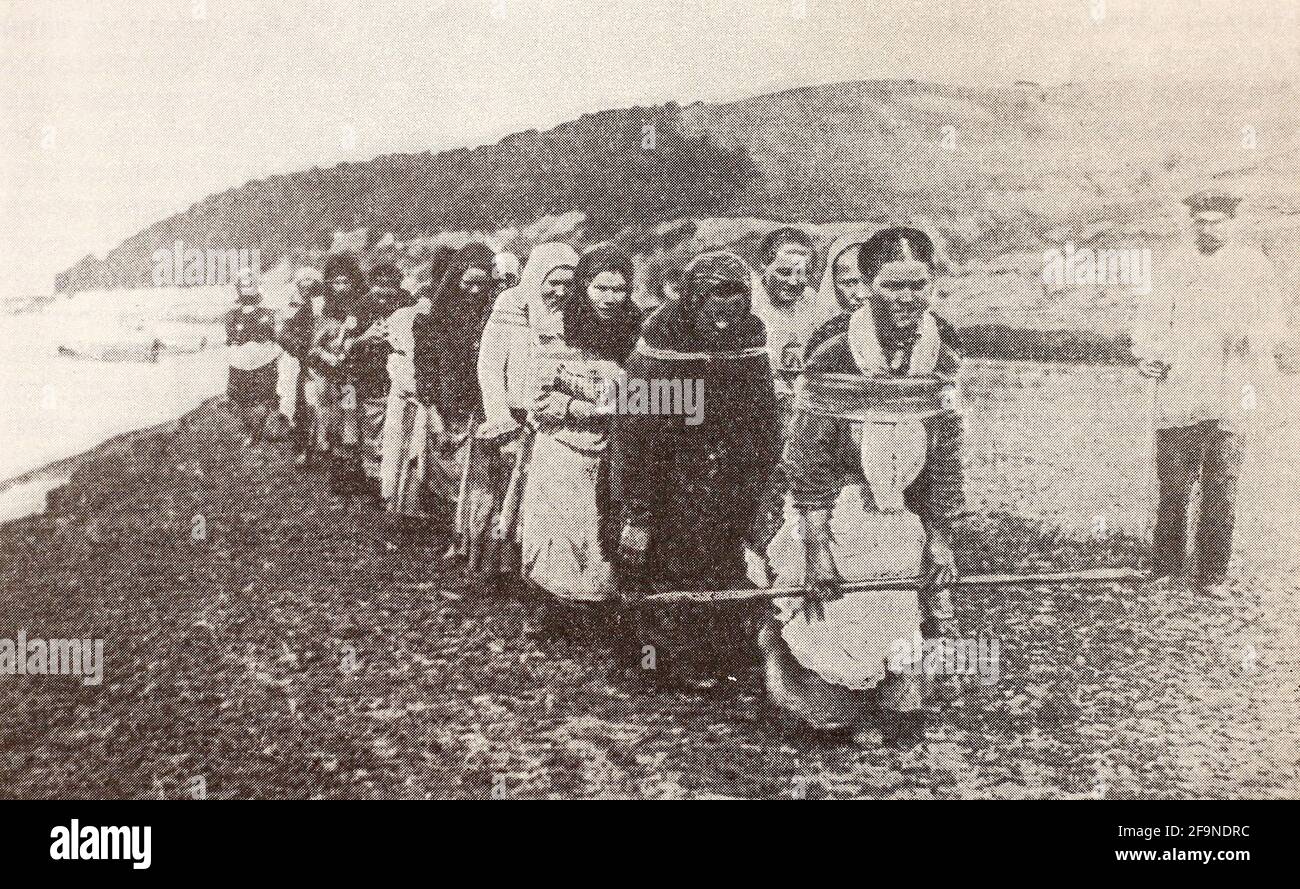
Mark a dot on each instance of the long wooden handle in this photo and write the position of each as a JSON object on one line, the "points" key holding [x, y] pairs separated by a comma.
{"points": [[1060, 578], [515, 487], [1149, 458]]}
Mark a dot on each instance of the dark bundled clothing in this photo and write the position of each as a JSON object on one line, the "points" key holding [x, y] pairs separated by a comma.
{"points": [[255, 386], [257, 326], [697, 488], [447, 340], [298, 331], [366, 365]]}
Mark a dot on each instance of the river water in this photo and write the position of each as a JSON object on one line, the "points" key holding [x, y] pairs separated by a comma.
{"points": [[56, 406]]}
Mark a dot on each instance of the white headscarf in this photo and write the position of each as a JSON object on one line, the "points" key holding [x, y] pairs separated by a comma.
{"points": [[542, 319], [520, 318], [828, 301], [505, 263]]}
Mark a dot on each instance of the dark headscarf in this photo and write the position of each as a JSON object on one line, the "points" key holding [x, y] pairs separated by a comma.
{"points": [[710, 270], [448, 293], [344, 264], [447, 339], [674, 325], [438, 268], [611, 339]]}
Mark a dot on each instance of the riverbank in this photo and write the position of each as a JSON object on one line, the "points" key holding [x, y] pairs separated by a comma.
{"points": [[296, 648], [31, 491]]}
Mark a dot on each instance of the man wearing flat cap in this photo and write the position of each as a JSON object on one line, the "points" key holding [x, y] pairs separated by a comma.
{"points": [[1206, 333]]}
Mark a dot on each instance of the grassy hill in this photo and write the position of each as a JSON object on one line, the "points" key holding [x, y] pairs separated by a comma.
{"points": [[997, 175]]}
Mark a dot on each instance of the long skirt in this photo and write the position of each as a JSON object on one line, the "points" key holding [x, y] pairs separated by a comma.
{"points": [[253, 388], [363, 429], [444, 471], [561, 522], [409, 437], [326, 396], [491, 549], [252, 395], [299, 398], [823, 667], [289, 386], [356, 448]]}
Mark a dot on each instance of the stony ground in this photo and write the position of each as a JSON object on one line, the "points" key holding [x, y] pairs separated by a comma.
{"points": [[304, 650]]}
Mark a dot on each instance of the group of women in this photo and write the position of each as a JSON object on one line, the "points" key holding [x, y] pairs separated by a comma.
{"points": [[485, 399]]}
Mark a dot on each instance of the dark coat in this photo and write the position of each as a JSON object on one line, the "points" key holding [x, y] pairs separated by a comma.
{"points": [[257, 326], [697, 488], [297, 333], [366, 364]]}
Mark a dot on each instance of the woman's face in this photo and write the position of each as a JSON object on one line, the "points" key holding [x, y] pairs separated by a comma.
{"points": [[341, 285], [556, 286], [786, 275], [848, 280], [722, 307], [903, 290], [475, 282], [606, 292]]}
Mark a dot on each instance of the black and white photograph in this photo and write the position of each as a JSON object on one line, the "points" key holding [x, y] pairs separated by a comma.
{"points": [[674, 400]]}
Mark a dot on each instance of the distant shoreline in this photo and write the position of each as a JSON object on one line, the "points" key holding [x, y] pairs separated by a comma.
{"points": [[58, 473]]}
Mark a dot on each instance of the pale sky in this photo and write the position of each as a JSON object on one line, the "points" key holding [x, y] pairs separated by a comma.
{"points": [[117, 113]]}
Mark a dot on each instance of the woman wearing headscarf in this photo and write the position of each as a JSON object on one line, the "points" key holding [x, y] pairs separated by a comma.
{"points": [[688, 488], [875, 411], [335, 400], [446, 343], [841, 287], [565, 519], [297, 399], [253, 353], [840, 292], [365, 368], [524, 318], [505, 271], [410, 428]]}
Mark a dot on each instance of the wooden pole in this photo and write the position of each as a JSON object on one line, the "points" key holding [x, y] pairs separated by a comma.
{"points": [[1149, 457], [1061, 578]]}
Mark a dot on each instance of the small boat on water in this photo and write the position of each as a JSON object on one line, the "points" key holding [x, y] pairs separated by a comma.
{"points": [[131, 350], [113, 351]]}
